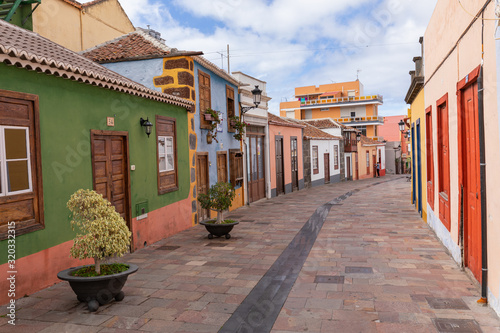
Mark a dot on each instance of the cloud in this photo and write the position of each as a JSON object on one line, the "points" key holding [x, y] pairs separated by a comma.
{"points": [[291, 43]]}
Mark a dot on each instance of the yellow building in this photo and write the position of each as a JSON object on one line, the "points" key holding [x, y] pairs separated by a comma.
{"points": [[79, 26], [417, 153], [343, 102]]}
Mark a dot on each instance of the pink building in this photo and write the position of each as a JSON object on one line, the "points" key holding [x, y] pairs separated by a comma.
{"points": [[285, 148]]}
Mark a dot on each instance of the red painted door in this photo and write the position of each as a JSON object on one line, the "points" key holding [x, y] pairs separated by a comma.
{"points": [[472, 194], [444, 165]]}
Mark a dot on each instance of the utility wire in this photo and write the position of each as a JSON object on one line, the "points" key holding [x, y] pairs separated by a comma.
{"points": [[476, 16]]}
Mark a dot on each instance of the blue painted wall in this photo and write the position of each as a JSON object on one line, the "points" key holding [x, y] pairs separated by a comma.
{"points": [[140, 71], [218, 100]]}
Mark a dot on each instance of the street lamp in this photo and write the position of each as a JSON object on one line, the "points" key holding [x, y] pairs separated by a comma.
{"points": [[402, 128], [257, 94]]}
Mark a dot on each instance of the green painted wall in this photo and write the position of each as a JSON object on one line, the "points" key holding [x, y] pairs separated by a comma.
{"points": [[68, 111]]}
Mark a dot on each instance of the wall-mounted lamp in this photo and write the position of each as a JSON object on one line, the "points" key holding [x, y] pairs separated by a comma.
{"points": [[147, 125], [402, 128], [257, 94], [358, 136]]}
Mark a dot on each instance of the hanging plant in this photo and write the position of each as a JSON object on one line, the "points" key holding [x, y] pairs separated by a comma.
{"points": [[239, 126], [213, 117]]}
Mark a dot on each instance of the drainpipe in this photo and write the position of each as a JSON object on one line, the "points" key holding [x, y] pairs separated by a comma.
{"points": [[482, 164]]}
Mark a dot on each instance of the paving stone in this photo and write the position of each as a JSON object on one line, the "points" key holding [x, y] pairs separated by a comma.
{"points": [[203, 288]]}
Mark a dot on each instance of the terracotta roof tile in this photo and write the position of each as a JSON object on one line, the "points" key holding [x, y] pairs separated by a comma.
{"points": [[134, 45], [26, 49], [312, 132], [365, 141], [328, 123], [140, 45], [91, 3], [280, 121]]}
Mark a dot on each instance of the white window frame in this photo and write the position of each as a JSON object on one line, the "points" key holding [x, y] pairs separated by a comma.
{"points": [[315, 159], [4, 191], [166, 153]]}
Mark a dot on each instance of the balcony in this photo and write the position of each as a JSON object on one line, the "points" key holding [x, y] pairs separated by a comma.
{"points": [[353, 121], [359, 100], [351, 146]]}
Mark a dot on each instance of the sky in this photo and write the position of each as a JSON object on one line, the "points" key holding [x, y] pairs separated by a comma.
{"points": [[295, 43]]}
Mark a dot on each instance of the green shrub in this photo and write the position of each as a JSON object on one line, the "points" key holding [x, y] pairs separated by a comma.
{"points": [[219, 198], [101, 231]]}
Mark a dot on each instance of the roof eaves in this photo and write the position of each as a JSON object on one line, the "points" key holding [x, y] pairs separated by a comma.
{"points": [[36, 62], [214, 68]]}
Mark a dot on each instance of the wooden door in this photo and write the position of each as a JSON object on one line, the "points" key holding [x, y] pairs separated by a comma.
{"points": [[295, 164], [472, 186], [348, 167], [110, 169], [202, 182], [280, 175], [327, 168], [374, 166], [222, 166], [256, 170]]}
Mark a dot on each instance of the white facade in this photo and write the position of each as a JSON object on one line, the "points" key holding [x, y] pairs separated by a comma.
{"points": [[325, 147], [254, 117]]}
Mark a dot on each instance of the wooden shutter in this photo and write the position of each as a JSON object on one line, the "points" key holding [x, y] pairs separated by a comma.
{"points": [[205, 97], [230, 107], [26, 209], [222, 166], [430, 157], [167, 180], [236, 167]]}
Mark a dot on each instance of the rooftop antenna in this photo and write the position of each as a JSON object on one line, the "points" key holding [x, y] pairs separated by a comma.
{"points": [[357, 74]]}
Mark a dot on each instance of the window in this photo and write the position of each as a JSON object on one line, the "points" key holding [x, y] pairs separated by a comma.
{"points": [[230, 108], [315, 163], [353, 114], [205, 97], [430, 157], [15, 167], [167, 154], [21, 197], [336, 157]]}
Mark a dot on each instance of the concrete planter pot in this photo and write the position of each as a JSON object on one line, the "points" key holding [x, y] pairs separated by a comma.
{"points": [[98, 290], [218, 230]]}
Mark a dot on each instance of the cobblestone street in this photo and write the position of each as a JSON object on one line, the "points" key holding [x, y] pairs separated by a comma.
{"points": [[345, 257]]}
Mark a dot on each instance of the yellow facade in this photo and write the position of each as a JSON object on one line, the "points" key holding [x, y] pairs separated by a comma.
{"points": [[80, 27], [417, 113]]}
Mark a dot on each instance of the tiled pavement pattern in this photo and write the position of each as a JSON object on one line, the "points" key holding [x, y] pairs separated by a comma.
{"points": [[375, 267]]}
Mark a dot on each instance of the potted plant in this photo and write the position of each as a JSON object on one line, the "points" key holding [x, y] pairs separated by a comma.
{"points": [[219, 198], [239, 126], [101, 233], [213, 117]]}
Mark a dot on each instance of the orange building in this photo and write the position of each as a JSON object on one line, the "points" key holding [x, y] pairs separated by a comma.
{"points": [[343, 102]]}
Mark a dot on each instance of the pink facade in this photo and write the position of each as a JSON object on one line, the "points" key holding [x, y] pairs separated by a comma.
{"points": [[281, 136]]}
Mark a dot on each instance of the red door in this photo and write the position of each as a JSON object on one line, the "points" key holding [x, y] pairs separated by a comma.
{"points": [[472, 194], [444, 163]]}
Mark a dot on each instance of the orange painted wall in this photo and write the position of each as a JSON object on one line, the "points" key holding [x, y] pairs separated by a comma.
{"points": [[332, 113], [290, 105], [161, 223], [286, 132], [38, 270], [362, 160], [353, 85]]}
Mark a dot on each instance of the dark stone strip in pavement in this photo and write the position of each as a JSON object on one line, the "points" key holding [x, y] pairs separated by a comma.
{"points": [[259, 310]]}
